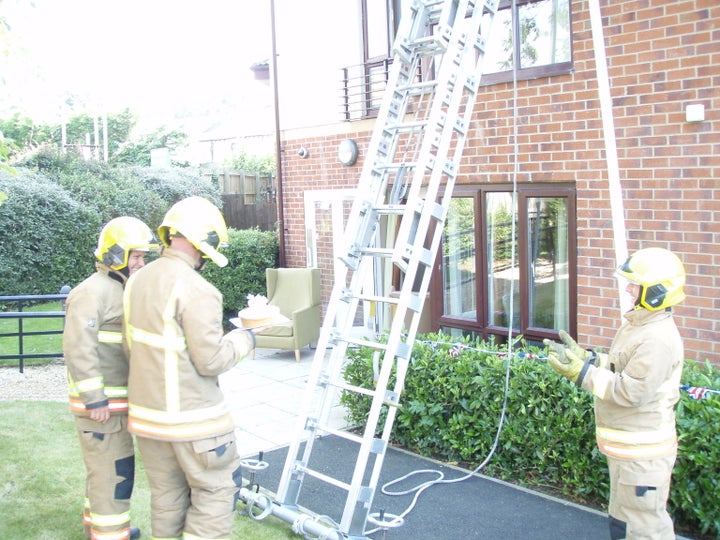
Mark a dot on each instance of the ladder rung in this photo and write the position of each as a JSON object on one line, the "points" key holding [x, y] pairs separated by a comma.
{"points": [[320, 476], [351, 388], [402, 260], [409, 166], [374, 252], [419, 88], [408, 127], [361, 342], [391, 209], [340, 433], [348, 295]]}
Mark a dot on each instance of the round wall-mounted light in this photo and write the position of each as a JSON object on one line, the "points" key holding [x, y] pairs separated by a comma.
{"points": [[348, 152]]}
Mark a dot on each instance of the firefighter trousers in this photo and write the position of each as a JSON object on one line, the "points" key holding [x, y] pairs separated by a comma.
{"points": [[193, 486], [639, 492], [109, 457]]}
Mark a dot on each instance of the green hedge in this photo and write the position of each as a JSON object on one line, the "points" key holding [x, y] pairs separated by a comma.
{"points": [[58, 203], [452, 405], [250, 252], [47, 236]]}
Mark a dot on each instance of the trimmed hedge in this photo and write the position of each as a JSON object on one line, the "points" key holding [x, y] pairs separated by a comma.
{"points": [[58, 203], [452, 405], [47, 237], [250, 252]]}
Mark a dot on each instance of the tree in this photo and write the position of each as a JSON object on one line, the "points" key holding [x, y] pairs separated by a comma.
{"points": [[138, 153], [119, 126], [264, 165], [22, 133]]}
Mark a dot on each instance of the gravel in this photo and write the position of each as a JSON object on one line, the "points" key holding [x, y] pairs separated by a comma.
{"points": [[36, 383]]}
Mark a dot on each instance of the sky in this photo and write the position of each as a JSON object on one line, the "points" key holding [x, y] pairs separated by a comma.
{"points": [[160, 58]]}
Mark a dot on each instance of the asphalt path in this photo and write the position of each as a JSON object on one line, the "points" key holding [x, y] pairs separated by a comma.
{"points": [[476, 507]]}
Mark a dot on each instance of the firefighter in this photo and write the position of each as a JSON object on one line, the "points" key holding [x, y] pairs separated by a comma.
{"points": [[174, 332], [636, 386], [97, 377]]}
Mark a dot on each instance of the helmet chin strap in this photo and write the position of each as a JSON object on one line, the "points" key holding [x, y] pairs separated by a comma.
{"points": [[121, 275]]}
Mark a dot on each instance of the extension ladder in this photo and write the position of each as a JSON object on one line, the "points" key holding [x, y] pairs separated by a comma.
{"points": [[398, 214]]}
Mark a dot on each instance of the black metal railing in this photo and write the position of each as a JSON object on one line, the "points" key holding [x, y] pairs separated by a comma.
{"points": [[20, 302]]}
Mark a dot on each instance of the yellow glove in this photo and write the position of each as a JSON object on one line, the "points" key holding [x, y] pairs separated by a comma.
{"points": [[573, 347], [564, 361]]}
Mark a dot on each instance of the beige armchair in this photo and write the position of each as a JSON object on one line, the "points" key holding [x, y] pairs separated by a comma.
{"points": [[296, 291]]}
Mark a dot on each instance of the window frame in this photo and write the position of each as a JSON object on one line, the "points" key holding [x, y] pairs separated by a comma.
{"points": [[480, 326], [535, 72]]}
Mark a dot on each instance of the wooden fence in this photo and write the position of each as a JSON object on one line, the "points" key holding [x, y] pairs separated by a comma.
{"points": [[249, 199]]}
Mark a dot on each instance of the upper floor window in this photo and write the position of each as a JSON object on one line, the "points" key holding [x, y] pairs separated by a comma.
{"points": [[539, 36]]}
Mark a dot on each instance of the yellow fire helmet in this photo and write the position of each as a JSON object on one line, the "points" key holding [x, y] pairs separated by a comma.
{"points": [[119, 237], [202, 223], [661, 275]]}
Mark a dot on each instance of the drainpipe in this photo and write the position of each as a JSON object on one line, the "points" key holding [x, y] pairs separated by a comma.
{"points": [[278, 145]]}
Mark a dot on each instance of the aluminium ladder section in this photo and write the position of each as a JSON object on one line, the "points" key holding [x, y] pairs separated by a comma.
{"points": [[418, 158]]}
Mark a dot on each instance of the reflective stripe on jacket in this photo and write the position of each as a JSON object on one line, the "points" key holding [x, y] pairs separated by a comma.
{"points": [[92, 345], [638, 388], [173, 330]]}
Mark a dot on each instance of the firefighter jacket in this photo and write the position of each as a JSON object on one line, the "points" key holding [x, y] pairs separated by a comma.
{"points": [[174, 333], [637, 386], [92, 344]]}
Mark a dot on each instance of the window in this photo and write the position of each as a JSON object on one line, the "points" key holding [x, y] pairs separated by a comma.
{"points": [[380, 23], [495, 277], [545, 47]]}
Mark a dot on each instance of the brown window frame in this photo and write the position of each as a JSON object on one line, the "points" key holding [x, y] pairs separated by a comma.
{"points": [[535, 72], [480, 326]]}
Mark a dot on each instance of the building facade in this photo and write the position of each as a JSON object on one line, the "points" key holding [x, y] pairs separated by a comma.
{"points": [[530, 241]]}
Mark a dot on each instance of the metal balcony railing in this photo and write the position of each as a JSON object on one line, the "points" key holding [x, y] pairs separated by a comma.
{"points": [[363, 87]]}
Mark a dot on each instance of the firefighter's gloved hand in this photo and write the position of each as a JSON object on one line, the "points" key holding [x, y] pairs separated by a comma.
{"points": [[573, 347], [564, 360]]}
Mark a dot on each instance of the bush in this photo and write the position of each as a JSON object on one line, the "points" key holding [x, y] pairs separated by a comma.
{"points": [[176, 183], [452, 405], [47, 237], [695, 495], [57, 205], [250, 252]]}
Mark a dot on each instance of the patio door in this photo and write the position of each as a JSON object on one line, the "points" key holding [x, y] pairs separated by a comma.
{"points": [[326, 213]]}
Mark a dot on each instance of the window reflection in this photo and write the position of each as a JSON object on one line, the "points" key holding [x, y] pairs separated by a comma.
{"points": [[545, 31], [548, 287], [503, 269], [459, 281]]}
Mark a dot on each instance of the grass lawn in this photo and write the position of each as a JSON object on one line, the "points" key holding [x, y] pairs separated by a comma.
{"points": [[42, 480]]}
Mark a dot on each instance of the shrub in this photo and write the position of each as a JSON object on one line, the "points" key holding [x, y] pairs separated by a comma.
{"points": [[58, 204], [249, 253], [47, 236], [695, 495], [176, 183], [109, 191], [453, 401]]}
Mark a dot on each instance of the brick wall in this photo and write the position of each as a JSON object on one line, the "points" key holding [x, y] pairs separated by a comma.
{"points": [[662, 56]]}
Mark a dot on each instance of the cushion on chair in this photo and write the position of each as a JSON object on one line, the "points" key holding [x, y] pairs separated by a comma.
{"points": [[283, 330]]}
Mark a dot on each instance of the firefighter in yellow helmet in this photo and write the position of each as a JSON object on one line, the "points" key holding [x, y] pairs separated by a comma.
{"points": [[98, 374], [636, 386], [178, 413]]}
